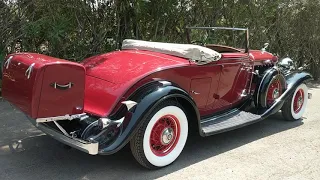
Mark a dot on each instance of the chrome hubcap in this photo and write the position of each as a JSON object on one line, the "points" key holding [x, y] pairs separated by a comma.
{"points": [[300, 101], [276, 93], [167, 136]]}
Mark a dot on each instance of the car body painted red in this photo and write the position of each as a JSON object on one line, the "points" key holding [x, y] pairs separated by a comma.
{"points": [[111, 75], [219, 84], [26, 84], [262, 57], [151, 96], [106, 70]]}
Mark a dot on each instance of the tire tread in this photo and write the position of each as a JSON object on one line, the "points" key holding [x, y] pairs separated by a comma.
{"points": [[286, 109], [136, 143]]}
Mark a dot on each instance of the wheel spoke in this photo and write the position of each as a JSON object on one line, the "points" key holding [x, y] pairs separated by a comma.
{"points": [[164, 135], [298, 101], [273, 92]]}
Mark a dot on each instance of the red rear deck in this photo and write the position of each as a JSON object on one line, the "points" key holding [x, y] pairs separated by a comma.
{"points": [[43, 86]]}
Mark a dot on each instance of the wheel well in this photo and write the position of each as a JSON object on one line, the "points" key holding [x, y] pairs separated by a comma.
{"points": [[193, 121]]}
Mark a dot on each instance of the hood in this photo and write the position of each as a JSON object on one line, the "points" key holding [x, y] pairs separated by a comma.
{"points": [[258, 55], [122, 66]]}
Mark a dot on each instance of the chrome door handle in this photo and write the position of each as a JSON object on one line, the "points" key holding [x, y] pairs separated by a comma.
{"points": [[194, 92], [62, 87], [29, 70], [247, 68]]}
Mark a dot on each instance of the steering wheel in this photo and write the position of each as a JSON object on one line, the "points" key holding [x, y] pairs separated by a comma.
{"points": [[197, 42]]}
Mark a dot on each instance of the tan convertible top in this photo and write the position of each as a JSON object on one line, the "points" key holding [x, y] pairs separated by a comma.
{"points": [[198, 54]]}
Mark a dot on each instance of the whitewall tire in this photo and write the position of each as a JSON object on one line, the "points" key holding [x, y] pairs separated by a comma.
{"points": [[294, 108], [162, 137]]}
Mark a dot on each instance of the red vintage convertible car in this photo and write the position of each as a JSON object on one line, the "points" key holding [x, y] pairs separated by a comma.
{"points": [[151, 94]]}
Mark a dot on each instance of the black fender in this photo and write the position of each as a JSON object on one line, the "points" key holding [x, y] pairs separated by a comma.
{"points": [[147, 98], [268, 76], [293, 80]]}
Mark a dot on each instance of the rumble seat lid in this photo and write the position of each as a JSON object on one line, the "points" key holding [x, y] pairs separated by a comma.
{"points": [[129, 65]]}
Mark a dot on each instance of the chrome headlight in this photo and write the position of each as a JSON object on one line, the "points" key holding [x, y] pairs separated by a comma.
{"points": [[286, 63]]}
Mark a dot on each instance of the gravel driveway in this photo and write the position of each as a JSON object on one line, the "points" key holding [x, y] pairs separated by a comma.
{"points": [[271, 149]]}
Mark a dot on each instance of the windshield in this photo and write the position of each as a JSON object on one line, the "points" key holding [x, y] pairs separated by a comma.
{"points": [[234, 37]]}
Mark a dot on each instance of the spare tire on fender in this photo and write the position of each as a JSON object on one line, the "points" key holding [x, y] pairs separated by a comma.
{"points": [[271, 86]]}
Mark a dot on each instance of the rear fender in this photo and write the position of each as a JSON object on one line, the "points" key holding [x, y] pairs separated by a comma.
{"points": [[147, 98]]}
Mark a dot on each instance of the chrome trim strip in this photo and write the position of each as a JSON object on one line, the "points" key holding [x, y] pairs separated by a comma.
{"points": [[6, 64], [29, 70], [218, 116], [85, 146], [165, 83], [105, 122], [194, 92], [129, 104], [57, 118]]}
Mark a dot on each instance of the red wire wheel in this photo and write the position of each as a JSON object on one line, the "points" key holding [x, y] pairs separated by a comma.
{"points": [[295, 106], [162, 136], [274, 91], [165, 135], [298, 101]]}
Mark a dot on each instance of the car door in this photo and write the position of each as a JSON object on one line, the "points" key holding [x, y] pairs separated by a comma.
{"points": [[241, 87], [199, 90], [204, 83], [231, 83]]}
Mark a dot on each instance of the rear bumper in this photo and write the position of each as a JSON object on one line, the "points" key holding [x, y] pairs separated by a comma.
{"points": [[85, 146], [88, 147]]}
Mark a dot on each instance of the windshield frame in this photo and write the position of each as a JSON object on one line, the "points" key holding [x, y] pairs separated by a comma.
{"points": [[188, 29]]}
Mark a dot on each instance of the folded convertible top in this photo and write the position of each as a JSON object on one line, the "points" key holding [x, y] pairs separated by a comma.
{"points": [[198, 54]]}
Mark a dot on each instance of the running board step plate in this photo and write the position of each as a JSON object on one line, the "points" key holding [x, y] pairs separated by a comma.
{"points": [[228, 121]]}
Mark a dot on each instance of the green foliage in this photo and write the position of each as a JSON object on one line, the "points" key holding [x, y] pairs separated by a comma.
{"points": [[76, 29]]}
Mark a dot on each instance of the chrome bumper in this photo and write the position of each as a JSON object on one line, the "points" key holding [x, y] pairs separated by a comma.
{"points": [[85, 146]]}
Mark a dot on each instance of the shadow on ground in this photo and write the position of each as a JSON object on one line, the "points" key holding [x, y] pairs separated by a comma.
{"points": [[38, 156]]}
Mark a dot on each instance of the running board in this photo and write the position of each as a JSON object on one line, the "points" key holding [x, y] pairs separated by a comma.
{"points": [[230, 120]]}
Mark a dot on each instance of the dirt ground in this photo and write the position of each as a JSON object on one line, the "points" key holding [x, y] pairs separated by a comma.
{"points": [[271, 149]]}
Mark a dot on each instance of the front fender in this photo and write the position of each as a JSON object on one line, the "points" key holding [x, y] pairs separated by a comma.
{"points": [[296, 78], [293, 80], [147, 99]]}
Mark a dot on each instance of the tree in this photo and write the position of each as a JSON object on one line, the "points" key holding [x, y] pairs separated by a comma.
{"points": [[76, 29]]}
